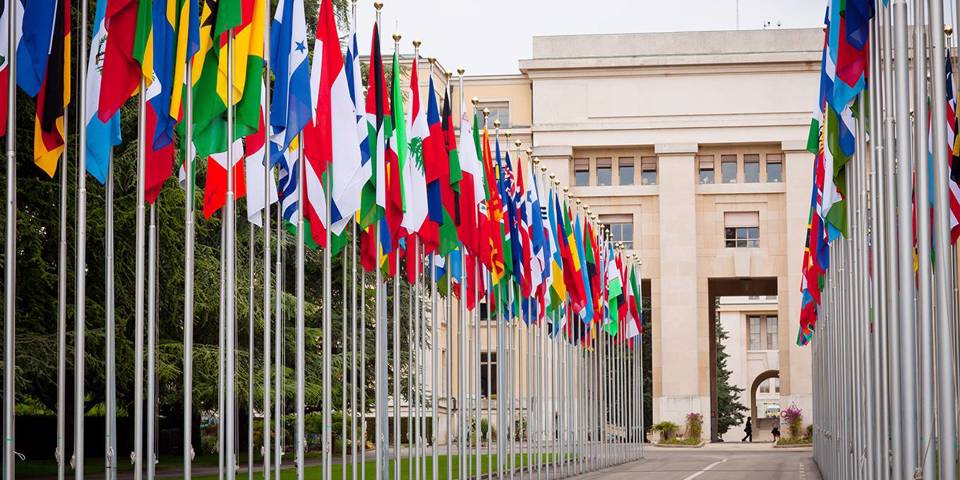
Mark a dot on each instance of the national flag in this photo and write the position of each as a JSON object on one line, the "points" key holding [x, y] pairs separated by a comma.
{"points": [[101, 136], [291, 107], [953, 186], [634, 299], [5, 61], [289, 181], [373, 199], [586, 314], [119, 64], [215, 191], [558, 290], [614, 291], [395, 155], [255, 150], [36, 25], [472, 188], [54, 96], [414, 178], [350, 204]]}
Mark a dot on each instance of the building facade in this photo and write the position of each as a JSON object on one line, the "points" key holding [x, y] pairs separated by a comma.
{"points": [[691, 148]]}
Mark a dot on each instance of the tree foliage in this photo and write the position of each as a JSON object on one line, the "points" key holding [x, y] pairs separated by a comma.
{"points": [[730, 411], [38, 241]]}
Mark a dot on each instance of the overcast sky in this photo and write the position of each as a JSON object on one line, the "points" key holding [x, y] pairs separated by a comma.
{"points": [[490, 36]]}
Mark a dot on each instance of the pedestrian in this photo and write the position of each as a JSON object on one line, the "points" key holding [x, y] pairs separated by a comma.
{"points": [[776, 433], [748, 429]]}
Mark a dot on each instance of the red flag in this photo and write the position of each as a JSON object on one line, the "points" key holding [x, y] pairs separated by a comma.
{"points": [[119, 66]]}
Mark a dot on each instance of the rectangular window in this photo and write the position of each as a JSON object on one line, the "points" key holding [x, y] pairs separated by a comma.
{"points": [[728, 168], [754, 324], [488, 374], [604, 172], [751, 168], [774, 168], [625, 170], [772, 330], [707, 174], [498, 111], [621, 229], [581, 172], [648, 170], [741, 229]]}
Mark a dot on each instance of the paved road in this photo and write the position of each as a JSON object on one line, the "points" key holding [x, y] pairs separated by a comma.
{"points": [[689, 464]]}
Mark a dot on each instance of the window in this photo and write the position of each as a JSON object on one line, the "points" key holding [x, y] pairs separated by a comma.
{"points": [[707, 174], [771, 385], [625, 170], [498, 111], [754, 324], [621, 229], [772, 330], [741, 229], [774, 168], [604, 172], [581, 172], [728, 168], [751, 168], [488, 374], [648, 170]]}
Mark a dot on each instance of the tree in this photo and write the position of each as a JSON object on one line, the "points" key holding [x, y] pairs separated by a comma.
{"points": [[729, 409]]}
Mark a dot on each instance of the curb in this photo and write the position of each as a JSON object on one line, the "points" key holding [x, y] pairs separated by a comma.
{"points": [[662, 445]]}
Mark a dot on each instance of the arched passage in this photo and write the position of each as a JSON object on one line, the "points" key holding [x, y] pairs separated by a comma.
{"points": [[764, 376]]}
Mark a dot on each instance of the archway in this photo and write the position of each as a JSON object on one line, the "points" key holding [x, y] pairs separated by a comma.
{"points": [[764, 376]]}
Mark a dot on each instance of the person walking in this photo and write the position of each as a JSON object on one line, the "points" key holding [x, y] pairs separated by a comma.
{"points": [[748, 429]]}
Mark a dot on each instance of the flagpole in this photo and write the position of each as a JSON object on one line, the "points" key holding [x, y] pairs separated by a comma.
{"points": [[878, 458], [347, 366], [448, 317], [151, 342], [188, 283], [81, 291], [251, 310], [434, 366], [229, 227], [10, 259], [61, 319], [327, 336], [220, 356], [139, 297], [279, 395], [300, 321], [111, 328], [267, 273], [945, 347]]}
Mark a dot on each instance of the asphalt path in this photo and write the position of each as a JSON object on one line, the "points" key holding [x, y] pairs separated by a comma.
{"points": [[702, 464]]}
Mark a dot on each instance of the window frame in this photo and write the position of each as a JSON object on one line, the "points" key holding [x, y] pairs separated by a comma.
{"points": [[646, 161]]}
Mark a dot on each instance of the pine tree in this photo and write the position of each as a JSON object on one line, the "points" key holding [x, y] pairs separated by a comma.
{"points": [[730, 411]]}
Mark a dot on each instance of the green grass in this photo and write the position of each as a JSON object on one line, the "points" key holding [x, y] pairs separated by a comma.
{"points": [[48, 468], [681, 441], [794, 441]]}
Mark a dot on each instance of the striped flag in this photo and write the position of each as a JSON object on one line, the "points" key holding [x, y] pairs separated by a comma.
{"points": [[101, 136], [54, 95]]}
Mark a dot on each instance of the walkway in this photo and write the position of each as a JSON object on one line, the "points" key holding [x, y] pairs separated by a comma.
{"points": [[712, 463]]}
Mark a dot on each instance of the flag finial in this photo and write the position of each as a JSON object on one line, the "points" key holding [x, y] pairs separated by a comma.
{"points": [[396, 38], [460, 72], [518, 142], [529, 152], [378, 5], [947, 29], [416, 44]]}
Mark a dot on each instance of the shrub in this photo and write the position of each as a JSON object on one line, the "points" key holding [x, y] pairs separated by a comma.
{"points": [[667, 429], [793, 415], [810, 432], [520, 428], [694, 425]]}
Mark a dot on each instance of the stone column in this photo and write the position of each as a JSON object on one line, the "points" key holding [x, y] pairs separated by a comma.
{"points": [[679, 360], [796, 383]]}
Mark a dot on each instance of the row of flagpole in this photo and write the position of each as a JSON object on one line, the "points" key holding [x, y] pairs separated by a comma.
{"points": [[885, 351], [571, 436]]}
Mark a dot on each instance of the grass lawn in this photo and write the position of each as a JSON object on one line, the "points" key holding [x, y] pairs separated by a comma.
{"points": [[48, 468]]}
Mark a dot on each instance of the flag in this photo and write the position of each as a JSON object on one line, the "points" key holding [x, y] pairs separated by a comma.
{"points": [[54, 95], [337, 118], [254, 150], [953, 187], [35, 33], [414, 179], [119, 64], [215, 191], [373, 199], [288, 181], [101, 136], [395, 155], [471, 186], [5, 61], [634, 300], [291, 107], [583, 258], [614, 291]]}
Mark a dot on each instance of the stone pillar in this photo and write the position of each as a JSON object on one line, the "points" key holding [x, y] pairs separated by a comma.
{"points": [[679, 357], [796, 383]]}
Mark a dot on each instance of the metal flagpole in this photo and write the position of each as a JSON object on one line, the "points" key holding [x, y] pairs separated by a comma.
{"points": [[434, 366], [230, 339], [924, 311], [152, 343], [396, 366], [448, 384], [363, 363], [188, 283], [10, 258], [111, 329], [220, 357], [327, 340], [279, 395], [355, 410], [876, 454], [251, 310], [300, 364], [80, 313], [945, 347], [61, 317], [907, 312], [347, 367], [381, 351], [139, 298], [267, 274]]}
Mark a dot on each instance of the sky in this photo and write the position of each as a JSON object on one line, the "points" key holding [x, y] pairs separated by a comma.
{"points": [[490, 36]]}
